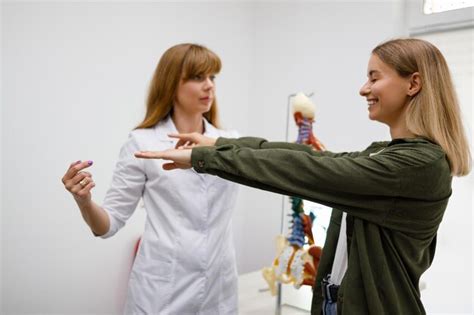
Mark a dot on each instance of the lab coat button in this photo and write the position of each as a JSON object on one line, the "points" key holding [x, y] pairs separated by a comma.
{"points": [[201, 163]]}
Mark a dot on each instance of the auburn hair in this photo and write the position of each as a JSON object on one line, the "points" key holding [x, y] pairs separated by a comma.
{"points": [[180, 62]]}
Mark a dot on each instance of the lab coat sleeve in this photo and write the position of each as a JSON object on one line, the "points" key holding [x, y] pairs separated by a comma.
{"points": [[126, 189]]}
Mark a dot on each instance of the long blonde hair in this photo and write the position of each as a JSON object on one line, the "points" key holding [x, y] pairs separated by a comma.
{"points": [[182, 61], [434, 111]]}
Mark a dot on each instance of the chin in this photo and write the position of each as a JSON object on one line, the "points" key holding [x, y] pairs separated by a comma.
{"points": [[372, 116], [206, 109]]}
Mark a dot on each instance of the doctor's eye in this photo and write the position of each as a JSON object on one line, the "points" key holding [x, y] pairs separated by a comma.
{"points": [[197, 77]]}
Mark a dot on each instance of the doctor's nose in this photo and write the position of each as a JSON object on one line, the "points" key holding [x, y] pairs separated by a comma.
{"points": [[208, 84]]}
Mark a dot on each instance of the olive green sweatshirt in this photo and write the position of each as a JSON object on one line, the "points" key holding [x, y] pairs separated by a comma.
{"points": [[395, 194]]}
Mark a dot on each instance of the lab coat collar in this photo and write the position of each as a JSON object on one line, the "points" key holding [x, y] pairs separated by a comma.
{"points": [[166, 126]]}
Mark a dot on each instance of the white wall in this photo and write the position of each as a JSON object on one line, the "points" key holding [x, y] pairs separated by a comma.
{"points": [[74, 81]]}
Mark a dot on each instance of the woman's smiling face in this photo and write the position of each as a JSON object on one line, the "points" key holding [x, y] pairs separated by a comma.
{"points": [[386, 92]]}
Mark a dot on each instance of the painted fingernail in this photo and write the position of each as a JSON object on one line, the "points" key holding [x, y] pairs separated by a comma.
{"points": [[89, 162]]}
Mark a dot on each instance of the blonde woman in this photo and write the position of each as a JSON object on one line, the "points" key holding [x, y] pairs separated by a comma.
{"points": [[389, 199], [186, 262]]}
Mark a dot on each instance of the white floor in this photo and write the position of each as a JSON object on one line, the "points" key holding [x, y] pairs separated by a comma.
{"points": [[255, 298]]}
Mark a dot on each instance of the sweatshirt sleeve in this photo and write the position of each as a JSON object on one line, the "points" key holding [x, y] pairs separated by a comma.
{"points": [[260, 143], [390, 184], [364, 186]]}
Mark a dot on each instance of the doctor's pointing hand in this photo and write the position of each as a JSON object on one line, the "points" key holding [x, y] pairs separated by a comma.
{"points": [[181, 155]]}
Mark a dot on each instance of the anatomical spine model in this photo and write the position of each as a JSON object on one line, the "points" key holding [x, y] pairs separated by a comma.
{"points": [[298, 257], [303, 112]]}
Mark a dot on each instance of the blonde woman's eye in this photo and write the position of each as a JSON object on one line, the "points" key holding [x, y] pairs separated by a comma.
{"points": [[197, 77], [212, 77]]}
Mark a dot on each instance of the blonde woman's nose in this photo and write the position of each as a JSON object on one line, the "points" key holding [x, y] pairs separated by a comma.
{"points": [[364, 90]]}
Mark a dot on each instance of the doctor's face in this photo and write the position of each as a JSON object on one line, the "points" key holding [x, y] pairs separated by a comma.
{"points": [[196, 94]]}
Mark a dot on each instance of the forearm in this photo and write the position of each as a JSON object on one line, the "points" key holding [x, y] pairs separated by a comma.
{"points": [[95, 216]]}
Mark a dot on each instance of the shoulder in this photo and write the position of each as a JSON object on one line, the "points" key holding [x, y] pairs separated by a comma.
{"points": [[142, 134], [418, 149], [139, 139], [403, 154], [422, 167]]}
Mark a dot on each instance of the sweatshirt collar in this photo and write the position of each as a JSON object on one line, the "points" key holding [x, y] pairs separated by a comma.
{"points": [[410, 140]]}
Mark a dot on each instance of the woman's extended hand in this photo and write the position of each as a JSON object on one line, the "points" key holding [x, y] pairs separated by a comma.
{"points": [[194, 139], [78, 182], [181, 157]]}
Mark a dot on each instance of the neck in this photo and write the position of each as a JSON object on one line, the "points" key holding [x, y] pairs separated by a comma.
{"points": [[400, 130], [399, 134], [186, 123]]}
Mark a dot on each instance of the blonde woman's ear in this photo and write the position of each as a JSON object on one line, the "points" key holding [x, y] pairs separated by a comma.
{"points": [[415, 84]]}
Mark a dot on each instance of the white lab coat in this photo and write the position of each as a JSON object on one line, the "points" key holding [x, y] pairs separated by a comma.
{"points": [[186, 260]]}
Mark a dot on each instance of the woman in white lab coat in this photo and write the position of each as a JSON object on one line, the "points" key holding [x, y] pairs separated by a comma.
{"points": [[186, 262]]}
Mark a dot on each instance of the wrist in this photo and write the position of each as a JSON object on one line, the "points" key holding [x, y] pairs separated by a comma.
{"points": [[83, 202]]}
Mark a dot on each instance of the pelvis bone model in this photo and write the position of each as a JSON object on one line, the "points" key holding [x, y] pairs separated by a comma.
{"points": [[298, 257]]}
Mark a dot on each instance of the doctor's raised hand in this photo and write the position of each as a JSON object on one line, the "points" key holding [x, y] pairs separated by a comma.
{"points": [[194, 139], [181, 155], [78, 182]]}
